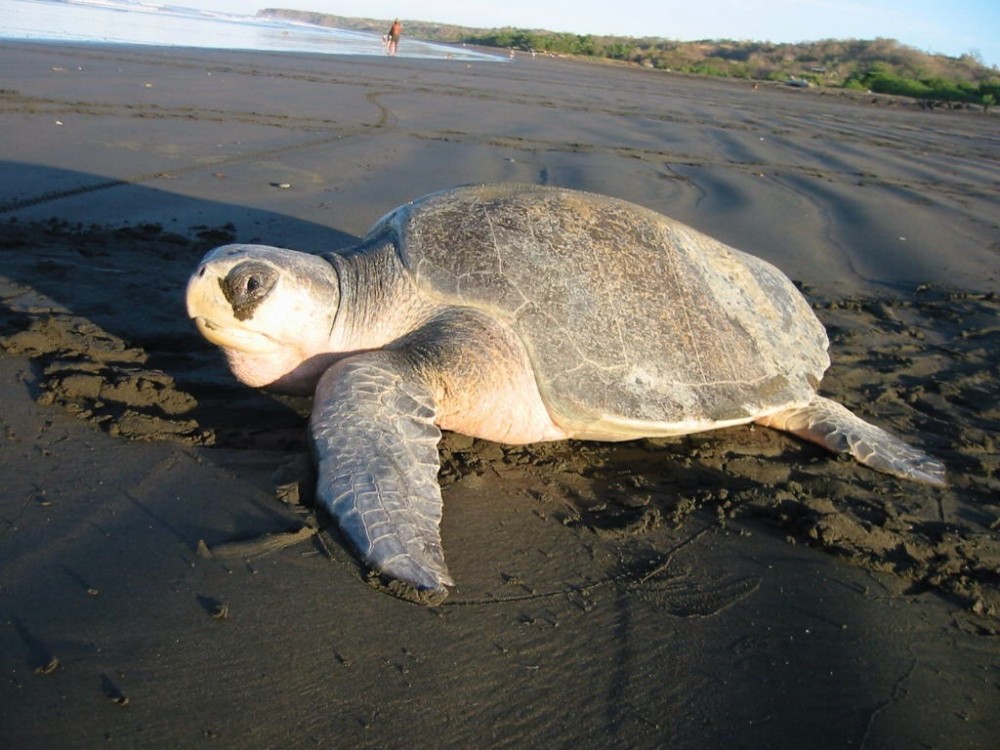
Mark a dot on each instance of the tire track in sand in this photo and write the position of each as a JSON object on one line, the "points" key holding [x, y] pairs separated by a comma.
{"points": [[384, 121]]}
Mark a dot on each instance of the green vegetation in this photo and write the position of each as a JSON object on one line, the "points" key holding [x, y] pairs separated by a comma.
{"points": [[879, 79], [882, 66], [522, 39]]}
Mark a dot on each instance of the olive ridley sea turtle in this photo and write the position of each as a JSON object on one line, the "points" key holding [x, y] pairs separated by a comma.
{"points": [[516, 314]]}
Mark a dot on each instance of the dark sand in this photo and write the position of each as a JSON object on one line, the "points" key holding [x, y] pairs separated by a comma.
{"points": [[736, 589]]}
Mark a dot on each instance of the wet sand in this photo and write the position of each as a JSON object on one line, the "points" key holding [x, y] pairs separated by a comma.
{"points": [[731, 589]]}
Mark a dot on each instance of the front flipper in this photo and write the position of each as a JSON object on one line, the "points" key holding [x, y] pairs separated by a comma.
{"points": [[836, 428], [376, 445]]}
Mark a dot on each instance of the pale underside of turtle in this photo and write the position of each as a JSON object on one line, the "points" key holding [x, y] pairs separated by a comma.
{"points": [[517, 314]]}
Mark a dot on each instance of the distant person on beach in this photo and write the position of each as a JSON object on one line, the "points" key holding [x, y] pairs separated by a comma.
{"points": [[395, 31]]}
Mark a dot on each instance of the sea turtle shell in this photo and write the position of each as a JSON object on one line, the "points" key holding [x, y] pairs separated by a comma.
{"points": [[629, 318]]}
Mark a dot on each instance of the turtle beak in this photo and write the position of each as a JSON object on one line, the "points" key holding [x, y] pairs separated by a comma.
{"points": [[206, 302], [206, 328], [202, 296]]}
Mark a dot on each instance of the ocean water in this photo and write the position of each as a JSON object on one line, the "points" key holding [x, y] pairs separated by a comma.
{"points": [[137, 22]]}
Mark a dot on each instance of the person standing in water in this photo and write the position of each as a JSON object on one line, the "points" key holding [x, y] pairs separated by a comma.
{"points": [[395, 31]]}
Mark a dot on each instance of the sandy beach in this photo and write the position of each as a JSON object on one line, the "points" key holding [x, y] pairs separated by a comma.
{"points": [[733, 589]]}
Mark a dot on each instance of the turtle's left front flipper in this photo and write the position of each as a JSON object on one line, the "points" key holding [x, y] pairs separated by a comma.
{"points": [[376, 446]]}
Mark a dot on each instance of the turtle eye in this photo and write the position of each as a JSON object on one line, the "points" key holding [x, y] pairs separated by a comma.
{"points": [[246, 286]]}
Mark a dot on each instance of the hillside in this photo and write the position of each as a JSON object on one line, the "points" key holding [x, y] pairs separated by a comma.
{"points": [[879, 65]]}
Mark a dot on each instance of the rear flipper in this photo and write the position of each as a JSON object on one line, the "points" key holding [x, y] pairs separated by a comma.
{"points": [[833, 426]]}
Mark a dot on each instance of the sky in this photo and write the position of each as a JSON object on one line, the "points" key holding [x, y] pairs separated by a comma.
{"points": [[951, 27]]}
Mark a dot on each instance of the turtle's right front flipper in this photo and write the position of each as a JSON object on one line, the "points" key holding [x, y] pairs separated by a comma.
{"points": [[376, 445]]}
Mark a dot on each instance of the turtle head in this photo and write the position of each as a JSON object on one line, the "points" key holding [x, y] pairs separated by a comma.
{"points": [[271, 311]]}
